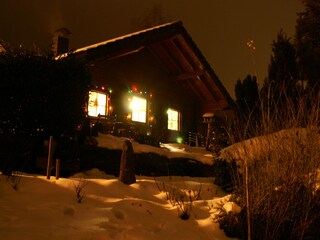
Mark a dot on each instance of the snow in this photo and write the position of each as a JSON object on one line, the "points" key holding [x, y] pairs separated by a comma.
{"points": [[231, 207], [169, 150], [48, 209], [115, 39], [284, 140]]}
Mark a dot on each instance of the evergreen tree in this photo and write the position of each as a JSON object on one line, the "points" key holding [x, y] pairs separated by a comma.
{"points": [[248, 106], [308, 43], [283, 67], [281, 84], [247, 95]]}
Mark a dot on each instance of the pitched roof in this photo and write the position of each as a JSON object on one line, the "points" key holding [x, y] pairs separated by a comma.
{"points": [[178, 54]]}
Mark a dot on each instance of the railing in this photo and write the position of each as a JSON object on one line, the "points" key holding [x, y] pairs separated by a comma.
{"points": [[194, 139]]}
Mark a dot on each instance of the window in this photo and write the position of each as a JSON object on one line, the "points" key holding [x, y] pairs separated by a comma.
{"points": [[139, 109], [97, 104], [173, 119]]}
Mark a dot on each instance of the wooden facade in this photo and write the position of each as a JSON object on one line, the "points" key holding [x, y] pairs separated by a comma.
{"points": [[159, 68]]}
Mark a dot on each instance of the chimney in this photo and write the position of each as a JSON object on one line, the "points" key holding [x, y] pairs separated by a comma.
{"points": [[60, 41], [2, 49]]}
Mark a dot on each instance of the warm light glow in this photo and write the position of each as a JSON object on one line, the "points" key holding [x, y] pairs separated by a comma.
{"points": [[173, 119], [97, 104], [179, 140], [250, 45], [134, 88], [138, 107]]}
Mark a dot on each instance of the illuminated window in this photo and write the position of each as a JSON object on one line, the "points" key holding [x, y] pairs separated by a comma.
{"points": [[139, 109], [173, 119], [97, 104]]}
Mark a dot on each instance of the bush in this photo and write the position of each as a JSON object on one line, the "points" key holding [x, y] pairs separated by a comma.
{"points": [[41, 96], [224, 173], [277, 192], [181, 198], [79, 189]]}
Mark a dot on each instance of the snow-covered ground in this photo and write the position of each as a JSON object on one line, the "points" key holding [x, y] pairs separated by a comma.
{"points": [[170, 150], [48, 209]]}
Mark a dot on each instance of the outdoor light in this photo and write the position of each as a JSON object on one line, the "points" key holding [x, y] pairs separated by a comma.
{"points": [[134, 88], [179, 139]]}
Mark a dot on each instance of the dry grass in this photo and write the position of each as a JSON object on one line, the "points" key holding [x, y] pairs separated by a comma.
{"points": [[182, 198], [277, 180], [79, 188]]}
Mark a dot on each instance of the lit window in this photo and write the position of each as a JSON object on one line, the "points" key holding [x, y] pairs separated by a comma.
{"points": [[97, 104], [173, 119], [139, 109]]}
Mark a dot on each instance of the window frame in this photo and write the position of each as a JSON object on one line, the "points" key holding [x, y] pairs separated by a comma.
{"points": [[98, 106], [139, 113], [174, 121]]}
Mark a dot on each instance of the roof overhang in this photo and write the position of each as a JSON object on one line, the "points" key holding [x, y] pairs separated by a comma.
{"points": [[177, 53]]}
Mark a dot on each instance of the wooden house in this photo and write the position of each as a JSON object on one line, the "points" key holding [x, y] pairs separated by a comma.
{"points": [[152, 82]]}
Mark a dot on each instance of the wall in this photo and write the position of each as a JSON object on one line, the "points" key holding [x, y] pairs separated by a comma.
{"points": [[143, 71]]}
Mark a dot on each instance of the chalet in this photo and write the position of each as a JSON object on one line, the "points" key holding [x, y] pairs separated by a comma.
{"points": [[153, 82]]}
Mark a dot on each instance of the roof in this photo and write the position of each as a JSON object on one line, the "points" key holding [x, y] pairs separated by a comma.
{"points": [[178, 54]]}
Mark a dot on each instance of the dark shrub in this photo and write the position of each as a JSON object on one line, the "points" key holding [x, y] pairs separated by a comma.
{"points": [[224, 173]]}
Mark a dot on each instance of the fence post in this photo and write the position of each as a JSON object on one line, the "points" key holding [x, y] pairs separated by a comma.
{"points": [[49, 157], [57, 168]]}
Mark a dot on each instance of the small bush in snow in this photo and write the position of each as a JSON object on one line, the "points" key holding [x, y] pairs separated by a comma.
{"points": [[79, 189], [15, 179], [180, 198]]}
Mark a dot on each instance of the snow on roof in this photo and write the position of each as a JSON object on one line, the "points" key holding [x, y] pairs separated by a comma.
{"points": [[115, 39], [208, 115]]}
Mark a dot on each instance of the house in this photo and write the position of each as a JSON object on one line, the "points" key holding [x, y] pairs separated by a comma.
{"points": [[152, 82]]}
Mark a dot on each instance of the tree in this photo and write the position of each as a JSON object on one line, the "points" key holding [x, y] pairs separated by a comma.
{"points": [[248, 106], [283, 69], [247, 94], [308, 43], [281, 85], [41, 96]]}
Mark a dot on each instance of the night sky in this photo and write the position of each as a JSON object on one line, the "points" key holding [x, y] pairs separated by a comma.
{"points": [[220, 28]]}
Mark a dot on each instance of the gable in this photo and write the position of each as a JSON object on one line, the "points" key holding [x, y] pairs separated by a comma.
{"points": [[176, 53]]}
